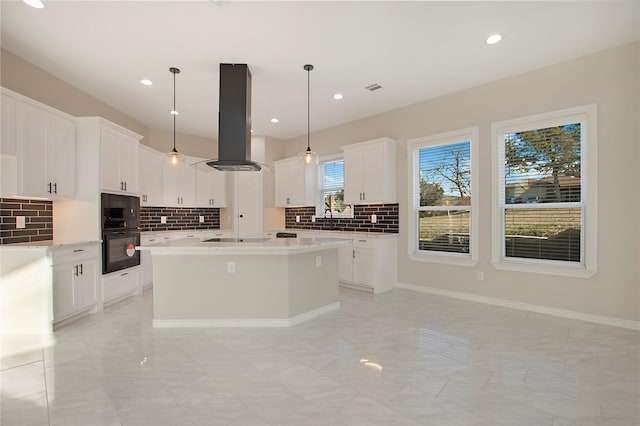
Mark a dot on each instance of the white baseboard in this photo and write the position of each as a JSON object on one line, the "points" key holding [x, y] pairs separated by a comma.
{"points": [[246, 323], [565, 313]]}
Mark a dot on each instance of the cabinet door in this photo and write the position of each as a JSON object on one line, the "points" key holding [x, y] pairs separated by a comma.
{"points": [[297, 183], [110, 154], [373, 174], [129, 164], [64, 294], [86, 285], [204, 188], [281, 184], [170, 184], [150, 178], [364, 266], [8, 126], [187, 185], [353, 172], [345, 262], [219, 188], [61, 155], [32, 133], [248, 204]]}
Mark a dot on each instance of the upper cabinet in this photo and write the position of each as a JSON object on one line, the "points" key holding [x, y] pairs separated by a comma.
{"points": [[211, 186], [150, 176], [369, 172], [295, 183], [38, 149], [179, 184], [119, 154]]}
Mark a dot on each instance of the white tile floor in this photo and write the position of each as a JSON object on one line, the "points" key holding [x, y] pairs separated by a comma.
{"points": [[430, 360]]}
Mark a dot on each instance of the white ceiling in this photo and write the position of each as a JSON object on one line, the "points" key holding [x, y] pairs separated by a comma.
{"points": [[414, 50]]}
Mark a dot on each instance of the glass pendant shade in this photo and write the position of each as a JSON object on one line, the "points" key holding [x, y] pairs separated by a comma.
{"points": [[308, 156]]}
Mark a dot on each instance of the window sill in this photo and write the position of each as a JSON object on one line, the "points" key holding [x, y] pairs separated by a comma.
{"points": [[539, 268], [443, 259]]}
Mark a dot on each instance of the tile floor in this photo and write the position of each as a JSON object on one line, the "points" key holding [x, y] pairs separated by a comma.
{"points": [[400, 358]]}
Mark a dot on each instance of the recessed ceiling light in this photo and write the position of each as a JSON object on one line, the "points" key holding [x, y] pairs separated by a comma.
{"points": [[34, 3], [493, 39], [337, 96], [274, 120], [174, 112], [146, 82]]}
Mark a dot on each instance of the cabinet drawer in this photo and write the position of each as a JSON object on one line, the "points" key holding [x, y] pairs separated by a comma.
{"points": [[75, 253], [364, 242]]}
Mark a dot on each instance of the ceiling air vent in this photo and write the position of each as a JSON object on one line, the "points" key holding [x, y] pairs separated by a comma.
{"points": [[372, 87]]}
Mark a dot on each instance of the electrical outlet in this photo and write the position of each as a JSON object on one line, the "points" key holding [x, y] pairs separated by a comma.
{"points": [[163, 219], [313, 218], [297, 218], [374, 218], [231, 267], [201, 219], [20, 222], [318, 260]]}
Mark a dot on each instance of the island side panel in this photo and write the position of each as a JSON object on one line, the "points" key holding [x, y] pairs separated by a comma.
{"points": [[313, 287], [199, 287]]}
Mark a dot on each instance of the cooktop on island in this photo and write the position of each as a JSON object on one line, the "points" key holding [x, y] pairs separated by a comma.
{"points": [[235, 240]]}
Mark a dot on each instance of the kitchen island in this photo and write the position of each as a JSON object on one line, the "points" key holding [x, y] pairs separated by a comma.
{"points": [[224, 282]]}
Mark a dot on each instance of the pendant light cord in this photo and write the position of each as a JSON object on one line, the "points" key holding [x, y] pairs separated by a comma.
{"points": [[308, 107], [174, 110]]}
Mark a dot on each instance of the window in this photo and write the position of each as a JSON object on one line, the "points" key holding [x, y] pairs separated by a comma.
{"points": [[543, 201], [442, 192], [332, 190]]}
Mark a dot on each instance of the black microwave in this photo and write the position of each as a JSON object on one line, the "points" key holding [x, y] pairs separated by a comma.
{"points": [[120, 212]]}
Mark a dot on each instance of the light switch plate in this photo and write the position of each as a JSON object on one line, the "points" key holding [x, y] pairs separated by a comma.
{"points": [[163, 219], [297, 218], [20, 222], [374, 218], [201, 219], [313, 218]]}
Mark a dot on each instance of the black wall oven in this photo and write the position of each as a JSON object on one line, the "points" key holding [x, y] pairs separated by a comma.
{"points": [[120, 232]]}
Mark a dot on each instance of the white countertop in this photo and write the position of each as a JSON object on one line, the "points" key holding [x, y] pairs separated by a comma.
{"points": [[48, 244], [184, 246]]}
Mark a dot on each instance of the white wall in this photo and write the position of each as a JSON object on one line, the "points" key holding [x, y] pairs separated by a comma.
{"points": [[611, 80]]}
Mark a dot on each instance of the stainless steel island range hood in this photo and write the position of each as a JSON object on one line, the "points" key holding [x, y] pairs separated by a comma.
{"points": [[234, 120]]}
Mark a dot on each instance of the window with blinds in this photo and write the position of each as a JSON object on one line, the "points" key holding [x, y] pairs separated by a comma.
{"points": [[332, 190], [443, 198], [541, 193]]}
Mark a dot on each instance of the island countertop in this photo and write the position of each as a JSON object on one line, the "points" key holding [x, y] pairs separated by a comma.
{"points": [[242, 246]]}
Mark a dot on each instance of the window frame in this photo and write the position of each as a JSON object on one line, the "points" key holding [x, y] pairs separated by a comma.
{"points": [[320, 213], [586, 115], [413, 148]]}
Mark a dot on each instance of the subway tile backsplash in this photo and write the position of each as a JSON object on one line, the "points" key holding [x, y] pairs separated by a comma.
{"points": [[387, 219], [178, 218], [38, 216]]}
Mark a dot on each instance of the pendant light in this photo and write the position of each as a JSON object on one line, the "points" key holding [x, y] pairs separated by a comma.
{"points": [[174, 156], [308, 156]]}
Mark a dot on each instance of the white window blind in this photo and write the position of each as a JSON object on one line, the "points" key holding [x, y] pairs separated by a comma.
{"points": [[332, 190]]}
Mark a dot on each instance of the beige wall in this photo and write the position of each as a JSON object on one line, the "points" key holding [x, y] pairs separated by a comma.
{"points": [[611, 80]]}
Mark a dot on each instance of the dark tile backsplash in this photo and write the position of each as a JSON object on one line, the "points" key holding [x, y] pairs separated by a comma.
{"points": [[386, 214], [38, 220], [178, 218]]}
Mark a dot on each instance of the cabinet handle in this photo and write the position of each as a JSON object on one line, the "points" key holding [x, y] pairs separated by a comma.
{"points": [[353, 254], [55, 188], [49, 188], [364, 196], [363, 241], [78, 250], [75, 270], [81, 269], [124, 273], [152, 240], [125, 186]]}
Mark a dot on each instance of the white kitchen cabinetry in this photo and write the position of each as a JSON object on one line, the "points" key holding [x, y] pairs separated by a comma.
{"points": [[119, 154], [179, 185], [369, 263], [75, 273], [150, 176], [38, 149], [211, 187], [120, 284], [295, 183], [369, 172]]}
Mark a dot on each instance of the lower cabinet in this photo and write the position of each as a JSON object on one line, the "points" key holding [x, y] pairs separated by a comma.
{"points": [[369, 263], [121, 283], [75, 272]]}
